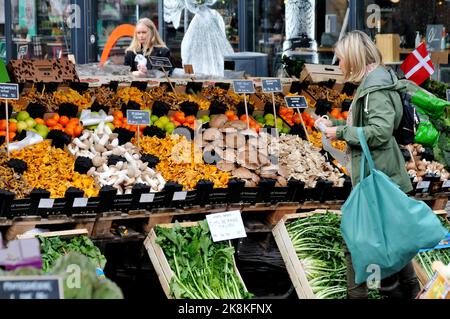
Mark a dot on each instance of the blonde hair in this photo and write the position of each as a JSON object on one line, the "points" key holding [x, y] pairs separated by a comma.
{"points": [[153, 40], [358, 51]]}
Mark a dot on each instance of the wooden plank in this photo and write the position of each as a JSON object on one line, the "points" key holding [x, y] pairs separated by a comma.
{"points": [[421, 274], [61, 233], [157, 266]]}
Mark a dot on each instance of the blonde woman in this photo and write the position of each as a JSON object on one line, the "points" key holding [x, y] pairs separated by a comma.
{"points": [[146, 42], [378, 109]]}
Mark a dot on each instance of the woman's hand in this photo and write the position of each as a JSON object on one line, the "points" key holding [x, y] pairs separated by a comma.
{"points": [[330, 132], [324, 121], [138, 73], [142, 68]]}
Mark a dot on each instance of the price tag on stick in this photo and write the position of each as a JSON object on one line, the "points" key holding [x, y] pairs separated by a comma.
{"points": [[163, 63], [8, 91], [272, 86], [225, 226], [138, 117], [244, 87]]}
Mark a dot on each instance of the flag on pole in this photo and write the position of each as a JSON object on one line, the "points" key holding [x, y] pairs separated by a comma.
{"points": [[418, 65]]}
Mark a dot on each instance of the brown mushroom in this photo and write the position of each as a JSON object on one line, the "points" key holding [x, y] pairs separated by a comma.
{"points": [[225, 166], [212, 134], [234, 140], [218, 121]]}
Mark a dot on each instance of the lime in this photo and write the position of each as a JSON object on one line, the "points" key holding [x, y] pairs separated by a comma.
{"points": [[269, 117], [22, 115], [154, 118]]}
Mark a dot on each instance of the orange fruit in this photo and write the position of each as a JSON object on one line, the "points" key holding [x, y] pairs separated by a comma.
{"points": [[51, 122], [63, 120], [243, 118], [2, 125], [11, 136], [75, 120], [234, 118], [56, 117], [38, 120], [69, 131], [77, 130], [179, 117], [12, 127], [176, 123], [118, 115], [2, 133], [133, 128], [142, 127], [58, 127], [344, 114], [117, 123], [190, 119]]}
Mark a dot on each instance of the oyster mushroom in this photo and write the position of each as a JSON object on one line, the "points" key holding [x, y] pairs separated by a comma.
{"points": [[225, 166], [234, 140], [212, 134], [242, 173], [218, 121]]}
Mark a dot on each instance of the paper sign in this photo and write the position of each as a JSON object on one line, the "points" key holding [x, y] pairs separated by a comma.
{"points": [[9, 91], [31, 287], [138, 117], [271, 86], [158, 61], [80, 202], [296, 102], [225, 226], [188, 69], [448, 95], [241, 87], [46, 203], [147, 198], [423, 185], [179, 196], [446, 183]]}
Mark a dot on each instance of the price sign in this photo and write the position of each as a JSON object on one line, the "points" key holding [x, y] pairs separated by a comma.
{"points": [[446, 184], [9, 91], [46, 203], [271, 85], [225, 226], [179, 196], [423, 185], [188, 69], [448, 95], [244, 87], [296, 102], [80, 202], [31, 287], [138, 117], [158, 61], [147, 198]]}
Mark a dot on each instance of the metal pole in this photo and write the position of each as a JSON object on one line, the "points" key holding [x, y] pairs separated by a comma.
{"points": [[8, 31], [161, 19]]}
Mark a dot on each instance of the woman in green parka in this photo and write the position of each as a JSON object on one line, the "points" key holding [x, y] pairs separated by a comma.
{"points": [[378, 109]]}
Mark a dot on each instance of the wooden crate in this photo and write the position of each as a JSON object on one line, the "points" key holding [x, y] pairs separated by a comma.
{"points": [[315, 73], [389, 46], [287, 250], [160, 263]]}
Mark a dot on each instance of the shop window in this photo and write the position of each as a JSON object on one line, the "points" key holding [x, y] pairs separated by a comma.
{"points": [[2, 31], [40, 29]]}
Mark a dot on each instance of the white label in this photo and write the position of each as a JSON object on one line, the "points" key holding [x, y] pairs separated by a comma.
{"points": [[147, 198], [179, 196], [46, 203], [446, 183], [423, 185], [225, 226], [80, 202]]}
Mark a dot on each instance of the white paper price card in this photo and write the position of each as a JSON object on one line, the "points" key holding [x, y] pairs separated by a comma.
{"points": [[446, 183], [179, 196], [147, 198], [423, 184], [46, 203], [225, 226], [80, 202]]}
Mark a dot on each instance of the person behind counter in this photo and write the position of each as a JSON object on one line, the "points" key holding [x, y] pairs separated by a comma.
{"points": [[147, 42]]}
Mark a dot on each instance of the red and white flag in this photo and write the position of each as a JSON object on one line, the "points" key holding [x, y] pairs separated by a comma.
{"points": [[418, 65]]}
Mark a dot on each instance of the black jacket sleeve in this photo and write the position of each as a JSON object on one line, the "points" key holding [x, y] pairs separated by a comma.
{"points": [[129, 60]]}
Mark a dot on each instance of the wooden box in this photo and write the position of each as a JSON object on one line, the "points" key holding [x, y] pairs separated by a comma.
{"points": [[315, 73], [389, 46], [160, 262]]}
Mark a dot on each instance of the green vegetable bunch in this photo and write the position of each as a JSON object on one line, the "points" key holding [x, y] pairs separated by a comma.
{"points": [[203, 269], [52, 248]]}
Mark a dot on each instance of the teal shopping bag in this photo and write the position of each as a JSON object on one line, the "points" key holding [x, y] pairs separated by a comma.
{"points": [[384, 228]]}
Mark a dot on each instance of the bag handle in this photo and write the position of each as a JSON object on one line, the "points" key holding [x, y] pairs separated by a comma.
{"points": [[365, 155]]}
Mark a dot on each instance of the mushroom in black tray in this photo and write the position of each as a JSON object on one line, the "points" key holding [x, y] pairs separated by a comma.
{"points": [[160, 108]]}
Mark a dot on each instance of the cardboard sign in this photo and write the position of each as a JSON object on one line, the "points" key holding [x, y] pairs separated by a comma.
{"points": [[46, 203], [80, 202], [31, 287], [9, 91], [448, 95], [188, 69], [161, 62], [225, 226], [138, 117], [244, 87], [296, 102], [271, 86]]}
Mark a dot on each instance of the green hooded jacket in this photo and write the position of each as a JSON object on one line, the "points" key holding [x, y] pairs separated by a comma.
{"points": [[378, 109]]}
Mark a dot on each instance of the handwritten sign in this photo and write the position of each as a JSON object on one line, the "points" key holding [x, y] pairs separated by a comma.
{"points": [[158, 61], [9, 91], [138, 117], [225, 226], [46, 203], [271, 85], [31, 287], [244, 87], [296, 102], [80, 202], [147, 198]]}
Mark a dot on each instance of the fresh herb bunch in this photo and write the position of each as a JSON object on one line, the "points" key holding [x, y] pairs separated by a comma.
{"points": [[202, 269], [52, 248]]}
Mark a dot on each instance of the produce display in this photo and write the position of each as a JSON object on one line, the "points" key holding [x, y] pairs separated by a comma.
{"points": [[53, 248], [11, 180], [418, 168], [52, 169], [202, 269]]}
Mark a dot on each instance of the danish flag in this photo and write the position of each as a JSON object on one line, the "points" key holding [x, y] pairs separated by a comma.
{"points": [[418, 65]]}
